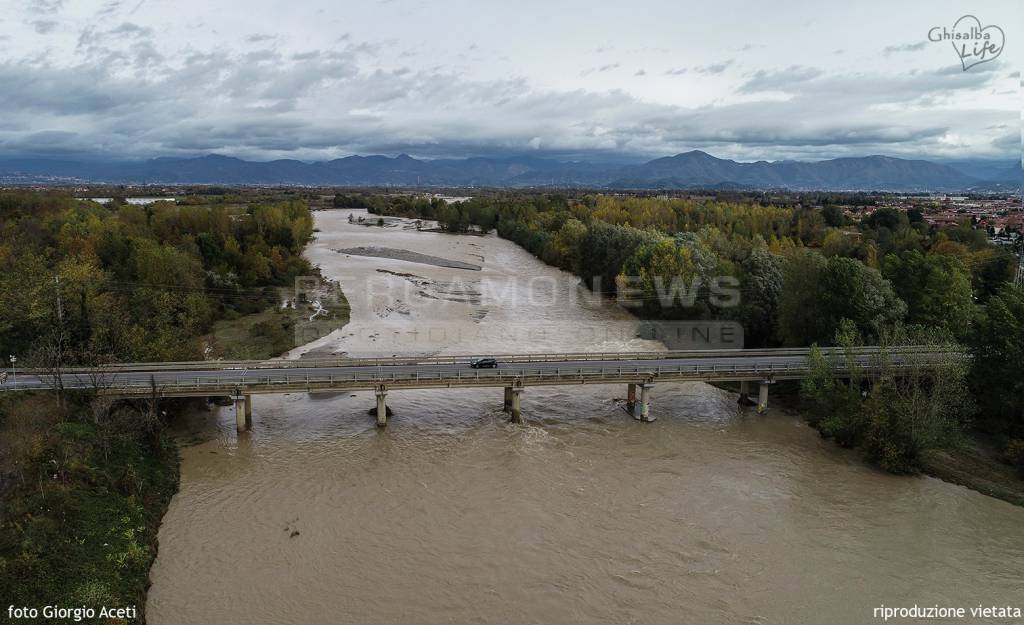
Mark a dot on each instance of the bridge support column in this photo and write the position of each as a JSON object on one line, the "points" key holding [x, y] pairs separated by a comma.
{"points": [[516, 407], [762, 396], [241, 422], [248, 412], [507, 406], [744, 393], [382, 406], [645, 404], [631, 399]]}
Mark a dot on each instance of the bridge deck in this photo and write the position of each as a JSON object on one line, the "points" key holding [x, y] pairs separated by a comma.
{"points": [[277, 376]]}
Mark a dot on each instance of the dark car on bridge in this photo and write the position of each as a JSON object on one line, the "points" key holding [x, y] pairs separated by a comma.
{"points": [[484, 363]]}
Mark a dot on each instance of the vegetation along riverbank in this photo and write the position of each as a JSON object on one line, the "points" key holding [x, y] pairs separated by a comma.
{"points": [[85, 480]]}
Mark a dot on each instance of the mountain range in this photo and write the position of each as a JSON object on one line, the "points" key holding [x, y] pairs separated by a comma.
{"points": [[693, 169]]}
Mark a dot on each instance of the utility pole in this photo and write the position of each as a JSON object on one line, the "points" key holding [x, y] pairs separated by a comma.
{"points": [[1019, 278], [60, 307]]}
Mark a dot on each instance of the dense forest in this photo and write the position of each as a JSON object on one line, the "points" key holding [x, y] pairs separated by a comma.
{"points": [[85, 480], [807, 275], [137, 283]]}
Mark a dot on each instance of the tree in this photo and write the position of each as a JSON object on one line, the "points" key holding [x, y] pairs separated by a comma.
{"points": [[887, 217], [672, 278], [51, 358], [998, 366], [936, 288], [832, 404], [605, 249], [918, 405], [839, 243], [833, 216], [567, 245], [759, 303], [818, 293], [918, 401]]}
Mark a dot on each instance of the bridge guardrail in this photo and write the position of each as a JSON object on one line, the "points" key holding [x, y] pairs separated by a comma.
{"points": [[213, 365], [228, 384]]}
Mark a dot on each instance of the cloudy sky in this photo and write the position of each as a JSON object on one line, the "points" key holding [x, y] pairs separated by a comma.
{"points": [[593, 79]]}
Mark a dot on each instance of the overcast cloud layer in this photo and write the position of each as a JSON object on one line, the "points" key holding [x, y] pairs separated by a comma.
{"points": [[264, 79]]}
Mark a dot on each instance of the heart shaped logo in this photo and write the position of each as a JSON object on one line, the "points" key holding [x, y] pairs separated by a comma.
{"points": [[973, 43]]}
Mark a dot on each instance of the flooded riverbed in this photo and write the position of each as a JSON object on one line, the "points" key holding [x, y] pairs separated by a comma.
{"points": [[712, 514]]}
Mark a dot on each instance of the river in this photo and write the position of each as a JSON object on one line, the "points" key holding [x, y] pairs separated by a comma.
{"points": [[711, 514]]}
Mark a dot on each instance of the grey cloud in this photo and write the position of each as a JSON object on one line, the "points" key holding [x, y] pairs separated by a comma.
{"points": [[43, 27], [764, 80], [128, 29], [713, 68], [908, 47], [316, 104], [600, 69], [109, 8], [45, 6]]}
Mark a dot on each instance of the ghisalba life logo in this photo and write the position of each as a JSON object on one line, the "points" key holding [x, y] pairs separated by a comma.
{"points": [[974, 44]]}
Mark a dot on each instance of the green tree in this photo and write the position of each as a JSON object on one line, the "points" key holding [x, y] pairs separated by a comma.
{"points": [[818, 293], [998, 365], [759, 302], [936, 288], [919, 405], [917, 402], [833, 404]]}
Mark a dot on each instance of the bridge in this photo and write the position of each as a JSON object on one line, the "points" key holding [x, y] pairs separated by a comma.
{"points": [[638, 370]]}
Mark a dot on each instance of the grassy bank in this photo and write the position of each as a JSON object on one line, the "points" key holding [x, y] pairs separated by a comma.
{"points": [[83, 498], [279, 328], [977, 463]]}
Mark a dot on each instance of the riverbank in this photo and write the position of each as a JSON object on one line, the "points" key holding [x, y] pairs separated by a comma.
{"points": [[973, 461], [85, 480], [83, 499]]}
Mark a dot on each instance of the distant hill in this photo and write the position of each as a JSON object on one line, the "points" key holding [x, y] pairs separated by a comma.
{"points": [[694, 169]]}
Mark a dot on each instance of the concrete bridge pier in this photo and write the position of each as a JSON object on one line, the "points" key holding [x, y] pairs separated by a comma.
{"points": [[243, 412], [762, 396], [645, 404], [507, 406], [382, 406], [631, 398], [744, 393], [516, 406]]}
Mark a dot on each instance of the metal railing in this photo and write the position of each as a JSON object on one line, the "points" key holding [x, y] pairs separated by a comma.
{"points": [[462, 359], [186, 385], [355, 374]]}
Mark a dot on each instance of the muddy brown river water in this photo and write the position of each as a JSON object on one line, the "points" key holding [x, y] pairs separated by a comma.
{"points": [[712, 514]]}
